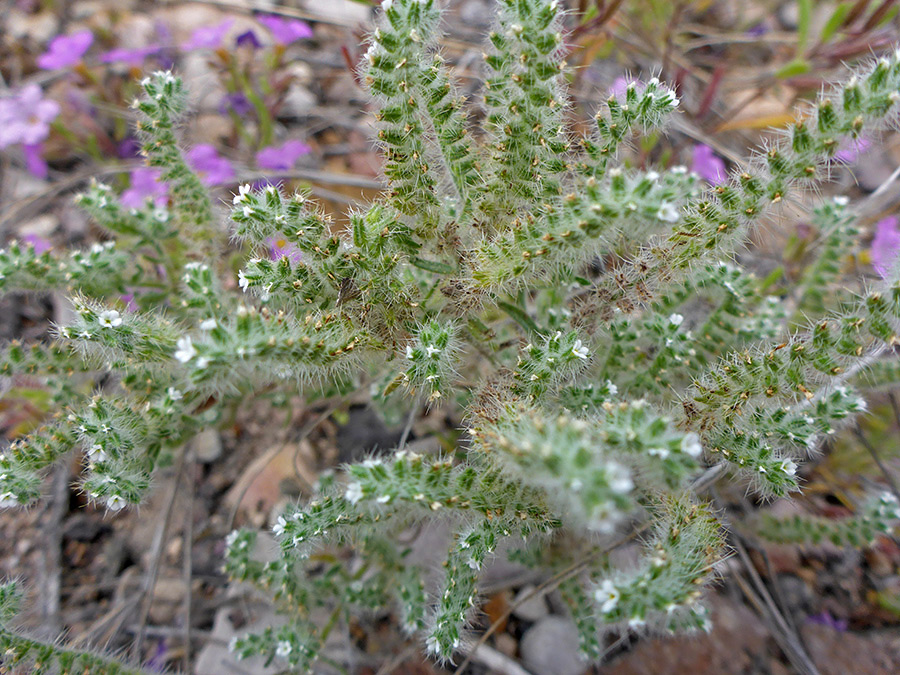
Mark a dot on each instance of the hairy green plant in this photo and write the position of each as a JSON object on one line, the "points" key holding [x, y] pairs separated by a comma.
{"points": [[596, 394]]}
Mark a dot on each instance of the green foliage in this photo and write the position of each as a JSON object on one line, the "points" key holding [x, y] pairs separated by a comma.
{"points": [[603, 343], [877, 516]]}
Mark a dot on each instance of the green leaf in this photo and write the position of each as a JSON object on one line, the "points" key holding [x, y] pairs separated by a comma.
{"points": [[520, 317], [835, 22], [792, 69], [433, 266], [804, 9]]}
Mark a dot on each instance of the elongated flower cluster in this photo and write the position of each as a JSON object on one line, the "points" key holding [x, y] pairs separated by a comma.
{"points": [[587, 321]]}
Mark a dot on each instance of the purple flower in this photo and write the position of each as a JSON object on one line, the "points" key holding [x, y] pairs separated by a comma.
{"points": [[707, 165], [281, 248], [39, 243], [66, 50], [145, 184], [130, 57], [825, 619], [758, 30], [25, 118], [620, 84], [212, 168], [34, 160], [850, 150], [208, 37], [885, 245], [285, 31], [129, 148], [237, 102], [248, 39], [282, 158], [130, 304]]}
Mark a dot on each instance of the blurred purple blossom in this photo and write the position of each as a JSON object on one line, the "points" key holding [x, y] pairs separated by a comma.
{"points": [[708, 165], [130, 57], [620, 84], [130, 304], [157, 662], [66, 50], [885, 245], [248, 39], [208, 37], [236, 102], [281, 248], [129, 148], [283, 157], [212, 167], [39, 243], [825, 619], [34, 160], [285, 31], [25, 117], [852, 149], [145, 184], [758, 30]]}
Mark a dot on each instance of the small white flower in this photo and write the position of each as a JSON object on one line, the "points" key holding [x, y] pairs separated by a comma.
{"points": [[96, 453], [278, 527], [354, 492], [283, 650], [243, 281], [611, 388], [679, 170], [232, 537], [841, 200], [409, 352], [248, 211], [109, 318], [431, 642], [202, 362], [636, 622], [690, 445], [579, 350], [676, 319], [243, 190], [619, 480], [174, 394], [789, 466], [208, 324], [431, 350], [115, 503], [660, 452], [383, 499], [8, 500], [185, 351], [233, 645], [668, 213], [607, 595]]}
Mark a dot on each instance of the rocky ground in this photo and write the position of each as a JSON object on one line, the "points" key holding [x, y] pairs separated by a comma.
{"points": [[148, 584]]}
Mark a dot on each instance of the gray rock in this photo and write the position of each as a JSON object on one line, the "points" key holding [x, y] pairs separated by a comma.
{"points": [[207, 446], [533, 609], [550, 647]]}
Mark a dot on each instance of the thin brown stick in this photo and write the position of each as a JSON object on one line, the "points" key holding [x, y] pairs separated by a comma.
{"points": [[888, 476], [156, 550], [188, 566]]}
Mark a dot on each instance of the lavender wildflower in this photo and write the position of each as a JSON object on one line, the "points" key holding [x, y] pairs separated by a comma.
{"points": [[145, 184], [285, 31], [708, 166], [885, 245], [66, 50], [212, 168], [282, 158], [25, 118], [208, 37]]}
